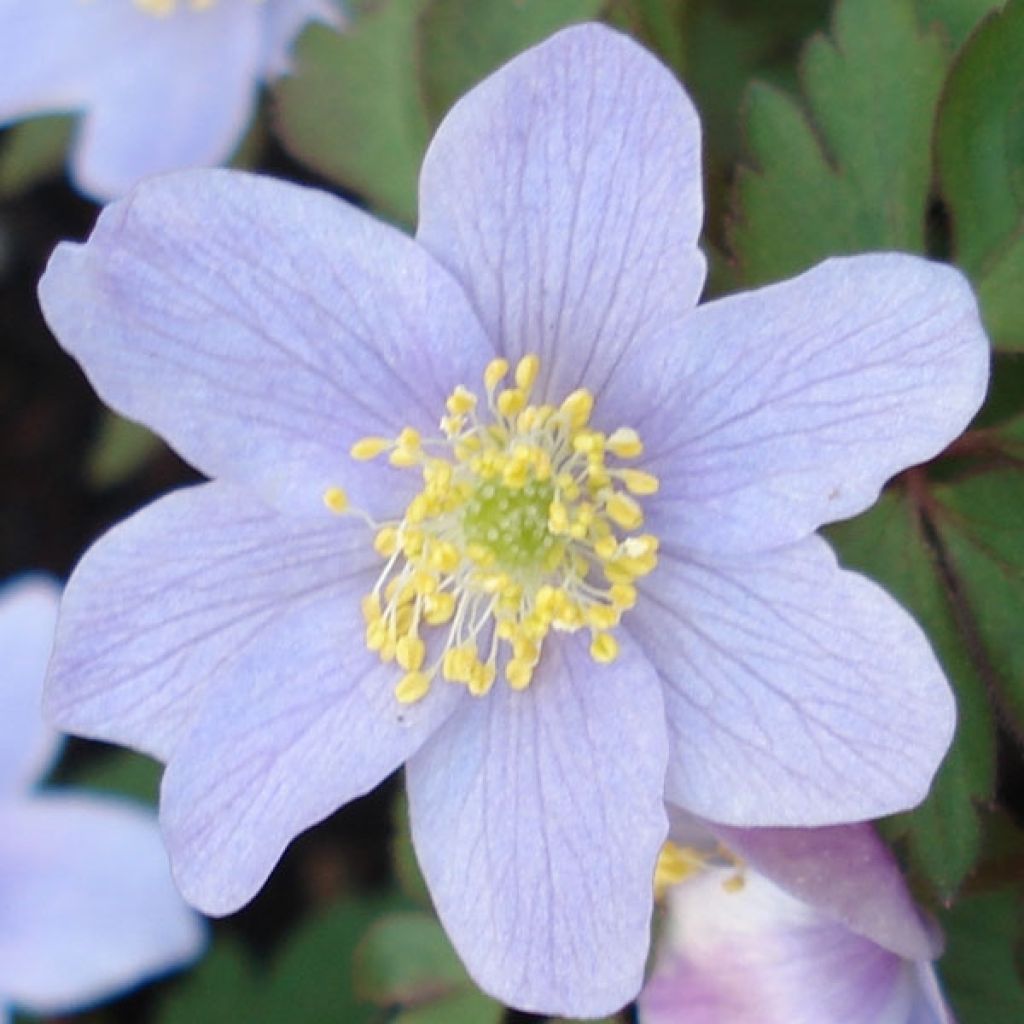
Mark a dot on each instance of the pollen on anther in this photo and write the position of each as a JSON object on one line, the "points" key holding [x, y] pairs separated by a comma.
{"points": [[523, 525], [336, 500]]}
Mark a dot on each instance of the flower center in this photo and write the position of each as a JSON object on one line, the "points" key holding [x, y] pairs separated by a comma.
{"points": [[678, 864], [525, 522], [165, 8]]}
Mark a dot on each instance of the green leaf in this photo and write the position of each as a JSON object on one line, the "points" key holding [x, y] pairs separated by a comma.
{"points": [[312, 980], [462, 41], [120, 450], [407, 868], [981, 968], [898, 544], [957, 17], [352, 110], [406, 959], [1000, 289], [222, 987], [980, 153], [124, 773], [462, 1008], [852, 172], [32, 152], [982, 523], [661, 25]]}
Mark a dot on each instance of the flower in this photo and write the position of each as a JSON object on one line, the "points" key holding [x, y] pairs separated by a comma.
{"points": [[163, 84], [88, 908], [804, 926], [395, 428]]}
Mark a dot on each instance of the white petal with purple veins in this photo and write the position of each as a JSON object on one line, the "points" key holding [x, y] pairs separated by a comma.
{"points": [[797, 693], [537, 818], [769, 413], [564, 192], [305, 721], [158, 608], [262, 328]]}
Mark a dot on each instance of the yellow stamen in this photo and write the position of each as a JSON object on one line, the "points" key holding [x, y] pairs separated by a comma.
{"points": [[604, 648], [367, 448], [639, 482], [412, 687], [336, 500], [676, 864], [523, 524]]}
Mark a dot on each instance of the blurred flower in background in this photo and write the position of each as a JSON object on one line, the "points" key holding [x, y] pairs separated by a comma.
{"points": [[161, 84], [87, 905], [798, 926]]}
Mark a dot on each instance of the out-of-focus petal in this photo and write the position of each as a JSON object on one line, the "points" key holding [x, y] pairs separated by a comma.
{"points": [[88, 905], [28, 614], [303, 722], [844, 871], [262, 328], [537, 819], [564, 192], [769, 413], [757, 956], [161, 605], [159, 94], [797, 693]]}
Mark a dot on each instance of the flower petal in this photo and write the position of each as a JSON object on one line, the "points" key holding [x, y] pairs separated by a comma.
{"points": [[159, 607], [929, 1006], [537, 819], [796, 693], [28, 614], [757, 956], [89, 907], [262, 328], [844, 871], [53, 53], [303, 722], [183, 99], [769, 413], [564, 192], [159, 94]]}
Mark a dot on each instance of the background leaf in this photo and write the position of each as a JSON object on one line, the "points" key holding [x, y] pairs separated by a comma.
{"points": [[121, 448], [980, 150], [222, 987], [33, 151], [852, 173], [896, 543], [462, 41], [981, 970], [352, 109], [957, 17]]}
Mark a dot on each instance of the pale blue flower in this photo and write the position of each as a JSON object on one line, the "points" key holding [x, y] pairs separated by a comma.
{"points": [[162, 84], [266, 330], [87, 905], [808, 926]]}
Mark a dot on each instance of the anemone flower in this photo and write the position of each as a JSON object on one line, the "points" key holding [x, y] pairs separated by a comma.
{"points": [[161, 84], [789, 926], [500, 502]]}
